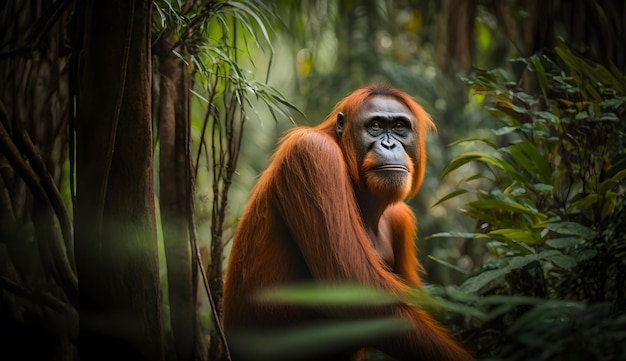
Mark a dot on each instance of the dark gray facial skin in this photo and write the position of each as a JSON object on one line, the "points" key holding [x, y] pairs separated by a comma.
{"points": [[385, 127]]}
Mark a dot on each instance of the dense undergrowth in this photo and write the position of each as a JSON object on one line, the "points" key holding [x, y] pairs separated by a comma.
{"points": [[548, 200]]}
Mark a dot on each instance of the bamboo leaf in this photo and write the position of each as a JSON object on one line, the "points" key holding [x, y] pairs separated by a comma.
{"points": [[610, 183], [453, 234], [447, 264], [504, 205], [531, 160], [468, 157], [448, 196], [541, 76]]}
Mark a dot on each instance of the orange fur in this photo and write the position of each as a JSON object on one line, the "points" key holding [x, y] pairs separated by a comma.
{"points": [[303, 223], [394, 190]]}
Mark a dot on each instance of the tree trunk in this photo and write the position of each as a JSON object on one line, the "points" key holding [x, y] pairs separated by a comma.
{"points": [[457, 31], [115, 225], [176, 197]]}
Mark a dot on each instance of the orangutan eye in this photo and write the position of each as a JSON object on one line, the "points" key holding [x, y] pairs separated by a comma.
{"points": [[376, 126], [399, 126]]}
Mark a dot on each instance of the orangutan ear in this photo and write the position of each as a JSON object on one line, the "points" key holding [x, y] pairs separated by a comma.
{"points": [[340, 123]]}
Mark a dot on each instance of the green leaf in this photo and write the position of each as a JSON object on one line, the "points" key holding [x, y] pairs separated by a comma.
{"points": [[450, 196], [468, 157], [328, 294], [475, 283], [490, 217], [504, 131], [542, 79], [564, 242], [547, 116], [519, 235], [610, 201], [532, 161], [454, 235], [564, 261], [317, 339], [448, 264], [514, 244], [585, 255], [549, 253], [586, 202], [474, 139], [610, 183], [548, 313], [504, 205], [480, 280], [572, 229], [543, 188]]}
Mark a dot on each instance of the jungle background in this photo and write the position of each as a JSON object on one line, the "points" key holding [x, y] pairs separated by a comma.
{"points": [[131, 133]]}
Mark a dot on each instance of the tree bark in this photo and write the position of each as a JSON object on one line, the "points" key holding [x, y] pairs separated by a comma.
{"points": [[176, 199], [115, 223]]}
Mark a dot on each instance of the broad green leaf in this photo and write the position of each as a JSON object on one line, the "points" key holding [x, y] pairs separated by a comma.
{"points": [[475, 283], [480, 280], [585, 255], [563, 261], [514, 244], [547, 116], [543, 188], [615, 103], [548, 312], [564, 242], [610, 117], [572, 229], [519, 235], [504, 131], [548, 253]]}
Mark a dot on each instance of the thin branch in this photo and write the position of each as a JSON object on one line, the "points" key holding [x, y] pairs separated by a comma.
{"points": [[52, 192], [216, 317], [35, 297], [12, 154], [30, 41]]}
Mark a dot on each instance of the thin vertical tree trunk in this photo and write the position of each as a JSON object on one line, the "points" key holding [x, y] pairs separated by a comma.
{"points": [[115, 225], [176, 197], [456, 49]]}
